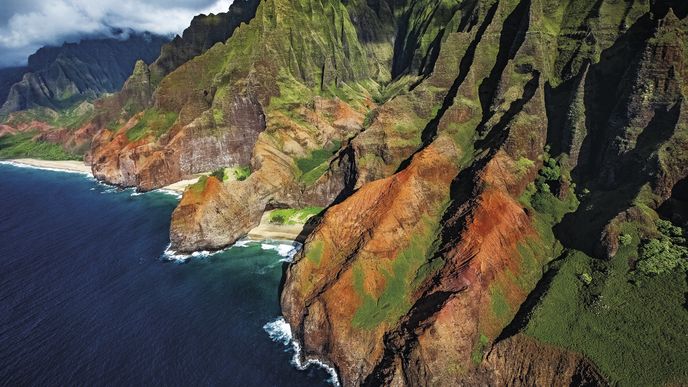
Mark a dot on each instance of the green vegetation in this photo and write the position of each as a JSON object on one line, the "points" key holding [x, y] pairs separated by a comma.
{"points": [[313, 175], [481, 345], [315, 165], [199, 186], [317, 157], [551, 171], [666, 253], [23, 145], [315, 252], [389, 91], [239, 173], [463, 135], [633, 331], [659, 256], [523, 165], [277, 219], [500, 305], [625, 239], [242, 173], [220, 174], [626, 314], [393, 302], [71, 118], [153, 122], [586, 278], [291, 216], [370, 117], [538, 195]]}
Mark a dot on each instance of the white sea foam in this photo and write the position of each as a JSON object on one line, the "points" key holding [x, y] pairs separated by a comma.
{"points": [[21, 165], [242, 243], [172, 255], [170, 192], [286, 251], [280, 332]]}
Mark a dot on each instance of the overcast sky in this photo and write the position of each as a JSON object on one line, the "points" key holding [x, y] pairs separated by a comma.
{"points": [[26, 25]]}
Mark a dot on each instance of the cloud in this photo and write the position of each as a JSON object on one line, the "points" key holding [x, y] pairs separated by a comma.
{"points": [[26, 25]]}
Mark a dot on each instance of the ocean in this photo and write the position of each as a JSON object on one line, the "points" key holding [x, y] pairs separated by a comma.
{"points": [[87, 296]]}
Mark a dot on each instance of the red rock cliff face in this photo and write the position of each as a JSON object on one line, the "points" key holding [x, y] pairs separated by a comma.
{"points": [[457, 291], [358, 241], [195, 148], [411, 279]]}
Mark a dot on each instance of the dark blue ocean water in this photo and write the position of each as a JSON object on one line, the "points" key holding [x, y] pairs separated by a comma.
{"points": [[85, 298]]}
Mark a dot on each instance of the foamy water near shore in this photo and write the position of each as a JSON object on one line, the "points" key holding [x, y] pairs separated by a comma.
{"points": [[61, 165]]}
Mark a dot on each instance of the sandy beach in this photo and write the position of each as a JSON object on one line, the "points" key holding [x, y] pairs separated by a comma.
{"points": [[267, 230], [80, 167], [62, 165], [180, 186]]}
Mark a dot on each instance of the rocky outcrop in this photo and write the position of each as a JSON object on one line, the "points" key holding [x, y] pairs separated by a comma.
{"points": [[520, 360], [214, 214], [275, 182]]}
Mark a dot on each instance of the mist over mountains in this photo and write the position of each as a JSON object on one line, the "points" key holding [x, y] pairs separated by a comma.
{"points": [[25, 26]]}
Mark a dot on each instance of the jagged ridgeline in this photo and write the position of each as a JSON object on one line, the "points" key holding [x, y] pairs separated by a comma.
{"points": [[60, 77], [46, 106], [505, 182]]}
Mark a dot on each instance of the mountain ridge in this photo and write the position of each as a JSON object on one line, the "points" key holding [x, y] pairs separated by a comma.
{"points": [[59, 77], [497, 177]]}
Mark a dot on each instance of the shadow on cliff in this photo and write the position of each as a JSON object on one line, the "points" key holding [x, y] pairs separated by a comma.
{"points": [[400, 342], [615, 178], [582, 229], [429, 133]]}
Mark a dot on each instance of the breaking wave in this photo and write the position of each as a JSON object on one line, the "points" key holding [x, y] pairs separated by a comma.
{"points": [[172, 255], [286, 251], [280, 332]]}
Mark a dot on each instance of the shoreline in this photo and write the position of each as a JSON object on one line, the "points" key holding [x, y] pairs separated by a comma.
{"points": [[269, 231], [73, 166], [265, 231]]}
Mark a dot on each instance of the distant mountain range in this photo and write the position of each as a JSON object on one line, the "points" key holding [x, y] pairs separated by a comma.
{"points": [[58, 77]]}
